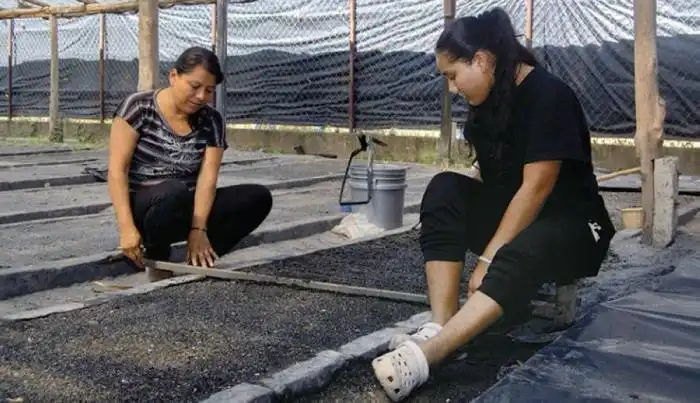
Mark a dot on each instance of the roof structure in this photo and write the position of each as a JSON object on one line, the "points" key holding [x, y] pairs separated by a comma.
{"points": [[78, 8]]}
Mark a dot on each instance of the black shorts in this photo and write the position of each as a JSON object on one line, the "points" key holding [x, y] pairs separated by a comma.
{"points": [[459, 214]]}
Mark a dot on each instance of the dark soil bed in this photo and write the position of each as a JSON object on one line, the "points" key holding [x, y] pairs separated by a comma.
{"points": [[393, 263], [470, 372], [180, 344]]}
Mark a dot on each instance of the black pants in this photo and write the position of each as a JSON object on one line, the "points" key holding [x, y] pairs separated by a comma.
{"points": [[163, 215], [457, 214]]}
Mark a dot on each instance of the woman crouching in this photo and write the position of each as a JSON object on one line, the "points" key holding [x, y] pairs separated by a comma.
{"points": [[165, 152]]}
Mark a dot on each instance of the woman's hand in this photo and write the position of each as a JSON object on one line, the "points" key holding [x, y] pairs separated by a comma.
{"points": [[130, 245], [199, 250], [476, 278]]}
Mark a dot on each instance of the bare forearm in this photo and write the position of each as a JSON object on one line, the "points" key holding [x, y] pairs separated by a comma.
{"points": [[118, 186], [203, 201], [521, 212]]}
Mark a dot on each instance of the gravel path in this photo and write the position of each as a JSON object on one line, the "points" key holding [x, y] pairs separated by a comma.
{"points": [[180, 344]]}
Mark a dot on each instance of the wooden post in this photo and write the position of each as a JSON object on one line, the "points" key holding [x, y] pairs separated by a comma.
{"points": [[222, 52], [101, 50], [55, 129], [213, 28], [650, 109], [148, 45], [446, 131], [352, 43], [10, 61], [212, 35], [529, 5]]}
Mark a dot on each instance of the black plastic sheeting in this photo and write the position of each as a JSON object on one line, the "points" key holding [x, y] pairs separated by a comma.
{"points": [[288, 62], [642, 347]]}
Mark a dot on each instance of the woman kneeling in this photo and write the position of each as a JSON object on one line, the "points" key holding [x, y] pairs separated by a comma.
{"points": [[533, 213], [165, 151]]}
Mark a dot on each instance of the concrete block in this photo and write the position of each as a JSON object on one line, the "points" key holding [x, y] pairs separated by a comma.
{"points": [[665, 220], [414, 322], [242, 393], [566, 305], [39, 312], [306, 376], [370, 345]]}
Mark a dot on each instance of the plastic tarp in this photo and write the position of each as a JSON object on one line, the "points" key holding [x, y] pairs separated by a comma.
{"points": [[288, 59], [642, 347]]}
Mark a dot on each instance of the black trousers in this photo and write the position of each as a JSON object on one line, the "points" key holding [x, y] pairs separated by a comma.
{"points": [[163, 215], [459, 214]]}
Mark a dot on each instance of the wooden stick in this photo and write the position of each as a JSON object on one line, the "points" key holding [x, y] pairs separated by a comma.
{"points": [[541, 308], [306, 284], [82, 9], [623, 172]]}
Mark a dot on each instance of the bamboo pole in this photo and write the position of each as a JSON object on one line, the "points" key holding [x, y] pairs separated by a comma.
{"points": [[79, 10]]}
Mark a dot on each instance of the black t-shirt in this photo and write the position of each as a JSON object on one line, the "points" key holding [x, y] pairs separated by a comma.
{"points": [[547, 123]]}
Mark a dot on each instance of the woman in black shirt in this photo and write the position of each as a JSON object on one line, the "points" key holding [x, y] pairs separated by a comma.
{"points": [[532, 214], [165, 151]]}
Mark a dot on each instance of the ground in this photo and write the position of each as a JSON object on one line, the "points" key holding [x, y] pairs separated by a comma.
{"points": [[66, 337]]}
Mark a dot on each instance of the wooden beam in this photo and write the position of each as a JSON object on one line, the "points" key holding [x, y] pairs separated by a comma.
{"points": [[37, 3], [77, 10], [148, 45], [650, 109]]}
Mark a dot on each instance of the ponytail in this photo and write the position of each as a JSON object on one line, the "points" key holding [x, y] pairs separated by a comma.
{"points": [[490, 31]]}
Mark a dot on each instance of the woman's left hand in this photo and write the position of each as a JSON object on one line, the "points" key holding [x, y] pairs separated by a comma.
{"points": [[199, 250], [476, 278]]}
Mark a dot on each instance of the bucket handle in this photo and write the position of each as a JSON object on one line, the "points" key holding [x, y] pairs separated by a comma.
{"points": [[364, 146]]}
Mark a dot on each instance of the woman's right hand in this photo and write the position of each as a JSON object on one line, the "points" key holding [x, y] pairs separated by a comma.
{"points": [[130, 245]]}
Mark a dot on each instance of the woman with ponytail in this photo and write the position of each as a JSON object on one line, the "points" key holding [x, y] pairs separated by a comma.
{"points": [[533, 212]]}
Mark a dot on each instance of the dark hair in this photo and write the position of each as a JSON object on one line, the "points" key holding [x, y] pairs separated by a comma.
{"points": [[196, 56], [491, 31]]}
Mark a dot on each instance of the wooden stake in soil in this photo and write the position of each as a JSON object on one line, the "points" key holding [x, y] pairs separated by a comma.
{"points": [[55, 132], [650, 109]]}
